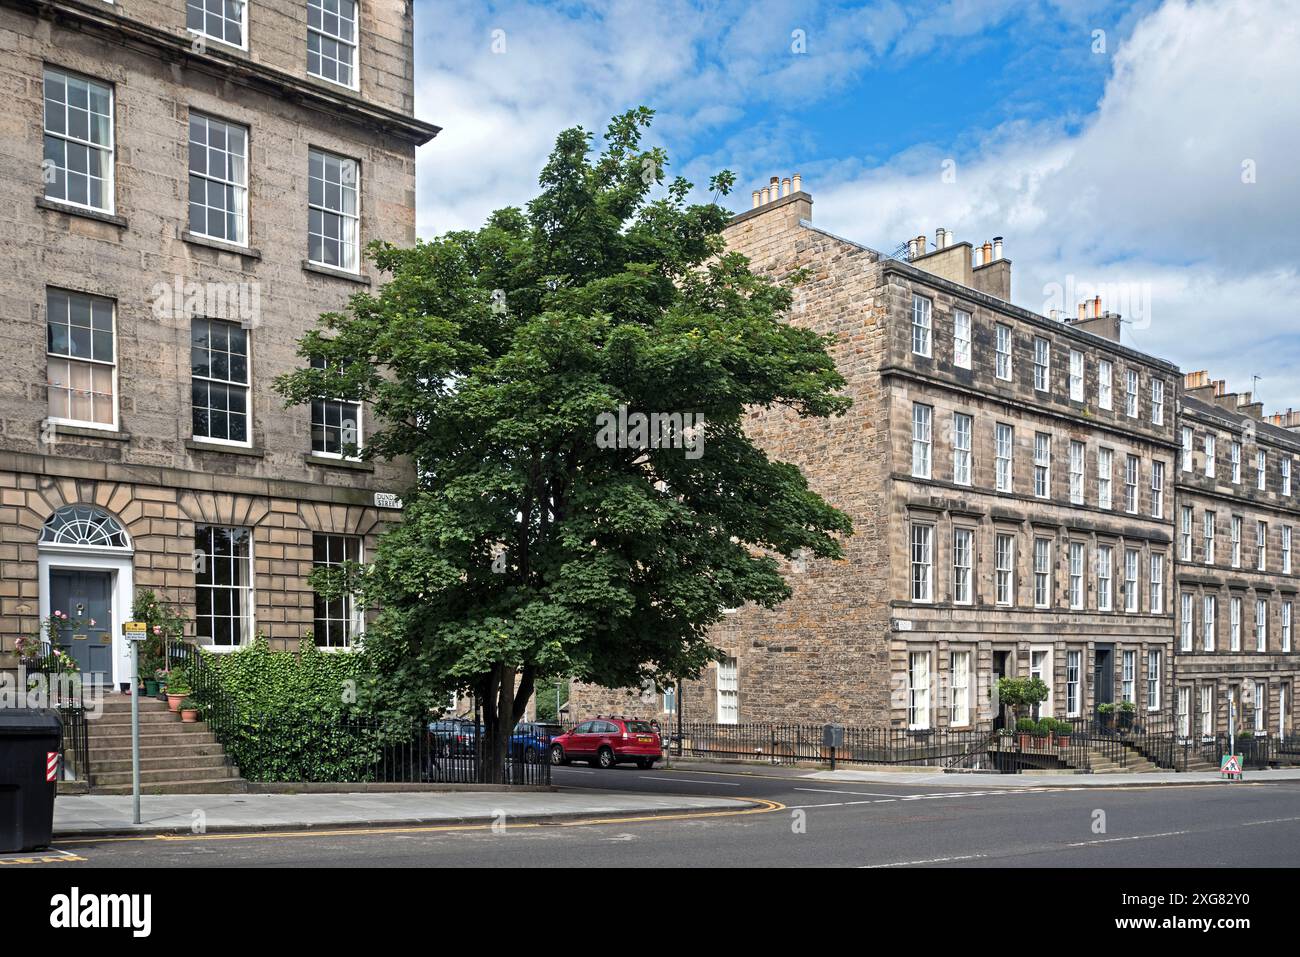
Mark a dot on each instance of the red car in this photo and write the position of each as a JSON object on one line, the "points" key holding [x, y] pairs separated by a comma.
{"points": [[608, 740]]}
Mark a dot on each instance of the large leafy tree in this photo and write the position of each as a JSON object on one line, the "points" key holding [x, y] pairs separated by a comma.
{"points": [[528, 548]]}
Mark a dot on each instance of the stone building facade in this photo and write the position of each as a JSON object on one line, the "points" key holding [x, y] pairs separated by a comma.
{"points": [[1010, 481], [185, 187], [1235, 564]]}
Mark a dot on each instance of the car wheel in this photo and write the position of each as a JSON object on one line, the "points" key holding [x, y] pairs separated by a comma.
{"points": [[557, 755], [605, 758], [645, 764]]}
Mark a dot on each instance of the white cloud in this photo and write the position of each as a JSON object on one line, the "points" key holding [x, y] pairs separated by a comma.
{"points": [[1149, 193]]}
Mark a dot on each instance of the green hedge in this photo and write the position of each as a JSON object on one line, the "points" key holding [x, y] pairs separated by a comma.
{"points": [[303, 716]]}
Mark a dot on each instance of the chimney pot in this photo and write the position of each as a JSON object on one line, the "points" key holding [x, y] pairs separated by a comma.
{"points": [[911, 248], [755, 199], [997, 247], [785, 186], [1096, 306], [766, 198], [796, 182], [1083, 310]]}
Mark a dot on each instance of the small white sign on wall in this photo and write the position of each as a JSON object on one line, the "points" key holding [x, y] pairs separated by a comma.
{"points": [[387, 500]]}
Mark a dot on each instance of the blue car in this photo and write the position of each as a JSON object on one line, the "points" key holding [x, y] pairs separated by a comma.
{"points": [[531, 741]]}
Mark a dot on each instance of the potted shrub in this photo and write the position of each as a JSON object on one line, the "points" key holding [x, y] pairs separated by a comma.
{"points": [[1022, 695], [1106, 716], [178, 688], [1063, 729], [189, 711], [1126, 712], [1026, 731]]}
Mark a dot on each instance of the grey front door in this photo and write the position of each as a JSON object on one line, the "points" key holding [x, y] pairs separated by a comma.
{"points": [[85, 597], [1103, 675]]}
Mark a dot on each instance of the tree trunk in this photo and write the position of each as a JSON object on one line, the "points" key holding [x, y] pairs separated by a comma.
{"points": [[503, 705]]}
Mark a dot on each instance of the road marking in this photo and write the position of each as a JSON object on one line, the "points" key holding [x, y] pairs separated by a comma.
{"points": [[1276, 820], [761, 806], [932, 860], [1135, 837], [829, 791], [721, 784], [573, 770]]}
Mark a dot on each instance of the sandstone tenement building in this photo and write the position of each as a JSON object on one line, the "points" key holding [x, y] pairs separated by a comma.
{"points": [[187, 185], [1016, 484]]}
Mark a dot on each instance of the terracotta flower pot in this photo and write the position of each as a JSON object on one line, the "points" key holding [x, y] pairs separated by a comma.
{"points": [[189, 715], [174, 701]]}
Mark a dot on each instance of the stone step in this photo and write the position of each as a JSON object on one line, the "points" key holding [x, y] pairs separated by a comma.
{"points": [[151, 752], [223, 785], [113, 719], [177, 763], [169, 738], [166, 776], [123, 704]]}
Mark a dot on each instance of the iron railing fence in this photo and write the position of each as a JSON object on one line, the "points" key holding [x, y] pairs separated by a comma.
{"points": [[64, 692], [793, 743]]}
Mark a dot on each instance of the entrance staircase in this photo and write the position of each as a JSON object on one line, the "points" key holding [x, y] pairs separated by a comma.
{"points": [[175, 758]]}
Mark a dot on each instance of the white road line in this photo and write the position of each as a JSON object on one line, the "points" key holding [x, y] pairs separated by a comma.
{"points": [[829, 791], [1276, 820], [724, 784], [932, 860], [1135, 837]]}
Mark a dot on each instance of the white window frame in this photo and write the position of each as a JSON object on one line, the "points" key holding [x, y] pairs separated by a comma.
{"points": [[1076, 564], [1077, 452], [922, 326], [1286, 549], [108, 152], [728, 691], [1042, 465], [1042, 364], [1261, 546], [1004, 548], [1286, 627], [922, 440], [1185, 533], [1205, 705], [959, 668], [1105, 478], [1261, 624], [1156, 591], [961, 338], [354, 63], [921, 540], [1157, 489], [1042, 573], [1234, 624], [246, 385], [349, 248], [1185, 622], [239, 188], [963, 566], [1004, 452], [354, 619], [1040, 666], [1073, 683], [1132, 473], [1002, 336], [1128, 677], [1261, 706], [248, 619], [90, 361], [1285, 465], [1131, 393], [1157, 401], [1105, 387], [919, 686], [1261, 470], [1209, 621], [1189, 438], [1235, 532], [1132, 599], [1234, 452], [1183, 708], [1076, 375], [1207, 535], [1155, 661], [1105, 575], [243, 25], [963, 427], [1211, 451]]}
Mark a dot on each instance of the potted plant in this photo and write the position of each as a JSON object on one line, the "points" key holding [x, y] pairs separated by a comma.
{"points": [[1063, 729], [1126, 712], [1026, 731], [189, 711], [1106, 716], [1022, 695], [178, 688]]}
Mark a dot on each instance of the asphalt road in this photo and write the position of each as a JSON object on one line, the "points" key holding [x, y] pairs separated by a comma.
{"points": [[810, 823]]}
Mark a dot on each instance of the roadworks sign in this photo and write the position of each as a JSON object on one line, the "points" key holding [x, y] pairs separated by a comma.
{"points": [[1230, 765]]}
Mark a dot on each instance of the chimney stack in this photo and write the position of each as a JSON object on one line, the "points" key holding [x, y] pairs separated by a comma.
{"points": [[997, 247], [785, 186], [756, 200], [1096, 307], [796, 183]]}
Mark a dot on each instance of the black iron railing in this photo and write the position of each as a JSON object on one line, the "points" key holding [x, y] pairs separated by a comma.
{"points": [[64, 692]]}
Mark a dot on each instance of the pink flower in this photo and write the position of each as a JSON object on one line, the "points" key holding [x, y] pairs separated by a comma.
{"points": [[92, 623], [157, 629]]}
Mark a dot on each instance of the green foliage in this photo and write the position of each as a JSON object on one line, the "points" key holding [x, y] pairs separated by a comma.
{"points": [[1106, 707], [1021, 694], [546, 698], [162, 623], [294, 710], [1128, 707], [527, 549], [1027, 725]]}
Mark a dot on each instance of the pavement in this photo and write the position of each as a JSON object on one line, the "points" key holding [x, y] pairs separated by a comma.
{"points": [[97, 815]]}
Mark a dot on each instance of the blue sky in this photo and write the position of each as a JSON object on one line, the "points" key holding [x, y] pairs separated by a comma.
{"points": [[1153, 162]]}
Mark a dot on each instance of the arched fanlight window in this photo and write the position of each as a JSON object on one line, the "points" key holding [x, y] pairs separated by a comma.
{"points": [[86, 526]]}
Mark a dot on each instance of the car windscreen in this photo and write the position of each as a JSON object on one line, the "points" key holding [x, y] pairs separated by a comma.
{"points": [[639, 727]]}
